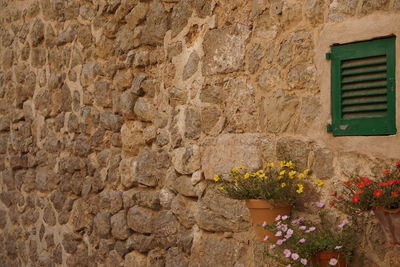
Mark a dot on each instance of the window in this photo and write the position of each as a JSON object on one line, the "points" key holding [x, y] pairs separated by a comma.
{"points": [[363, 88]]}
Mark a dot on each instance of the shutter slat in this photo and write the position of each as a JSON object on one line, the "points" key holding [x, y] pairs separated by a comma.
{"points": [[364, 100], [364, 85], [361, 93], [363, 62], [360, 115], [371, 69], [364, 108], [364, 78]]}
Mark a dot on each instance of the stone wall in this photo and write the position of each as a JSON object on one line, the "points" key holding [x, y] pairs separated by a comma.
{"points": [[115, 113]]}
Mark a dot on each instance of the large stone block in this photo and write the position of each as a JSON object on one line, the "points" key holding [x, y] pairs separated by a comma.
{"points": [[119, 227], [224, 49], [135, 259], [132, 138], [293, 149], [218, 213], [215, 250], [229, 151], [140, 219], [186, 160]]}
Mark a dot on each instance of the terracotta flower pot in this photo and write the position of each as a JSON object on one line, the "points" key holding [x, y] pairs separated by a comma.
{"points": [[390, 222], [266, 211], [322, 258]]}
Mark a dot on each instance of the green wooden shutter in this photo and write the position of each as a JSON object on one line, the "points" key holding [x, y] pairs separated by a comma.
{"points": [[363, 88]]}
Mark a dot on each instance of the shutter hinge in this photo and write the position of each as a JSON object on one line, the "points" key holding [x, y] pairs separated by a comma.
{"points": [[328, 55], [329, 128]]}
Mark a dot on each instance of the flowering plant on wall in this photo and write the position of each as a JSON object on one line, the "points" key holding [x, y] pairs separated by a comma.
{"points": [[301, 241], [363, 193], [276, 181]]}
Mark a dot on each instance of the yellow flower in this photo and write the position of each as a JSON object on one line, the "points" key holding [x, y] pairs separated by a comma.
{"points": [[262, 176], [221, 188], [280, 177], [235, 170], [282, 172], [319, 182], [301, 176], [289, 164], [247, 175], [292, 174], [270, 164], [241, 167], [282, 164], [300, 188], [283, 185], [216, 178], [307, 171]]}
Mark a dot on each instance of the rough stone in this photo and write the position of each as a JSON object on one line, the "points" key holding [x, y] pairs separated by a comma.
{"points": [[180, 16], [102, 95], [102, 224], [119, 227], [126, 171], [184, 209], [136, 259], [131, 138], [184, 186], [239, 149], [148, 168], [145, 110], [224, 49], [165, 229], [215, 250], [141, 243], [293, 149], [49, 216], [140, 219], [177, 96], [209, 119], [110, 121], [220, 214], [156, 24], [191, 123], [340, 9], [323, 163], [191, 65], [186, 160], [37, 33]]}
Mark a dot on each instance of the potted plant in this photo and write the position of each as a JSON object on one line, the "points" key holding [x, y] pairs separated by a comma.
{"points": [[382, 196], [303, 243], [268, 192]]}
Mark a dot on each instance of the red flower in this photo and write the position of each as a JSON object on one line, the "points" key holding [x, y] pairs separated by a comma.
{"points": [[355, 198], [331, 203], [348, 183], [340, 197], [392, 182], [383, 184], [361, 185], [334, 194], [398, 163], [395, 194], [358, 192], [366, 181], [386, 172], [378, 193]]}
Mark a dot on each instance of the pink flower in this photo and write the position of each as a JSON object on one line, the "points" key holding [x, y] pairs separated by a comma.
{"points": [[289, 233], [320, 204], [333, 261], [297, 221], [287, 253], [338, 247], [311, 229], [285, 217], [266, 238], [272, 246], [295, 256], [302, 240], [264, 224], [302, 227], [279, 233], [280, 241], [344, 222], [283, 227], [303, 261], [278, 218]]}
